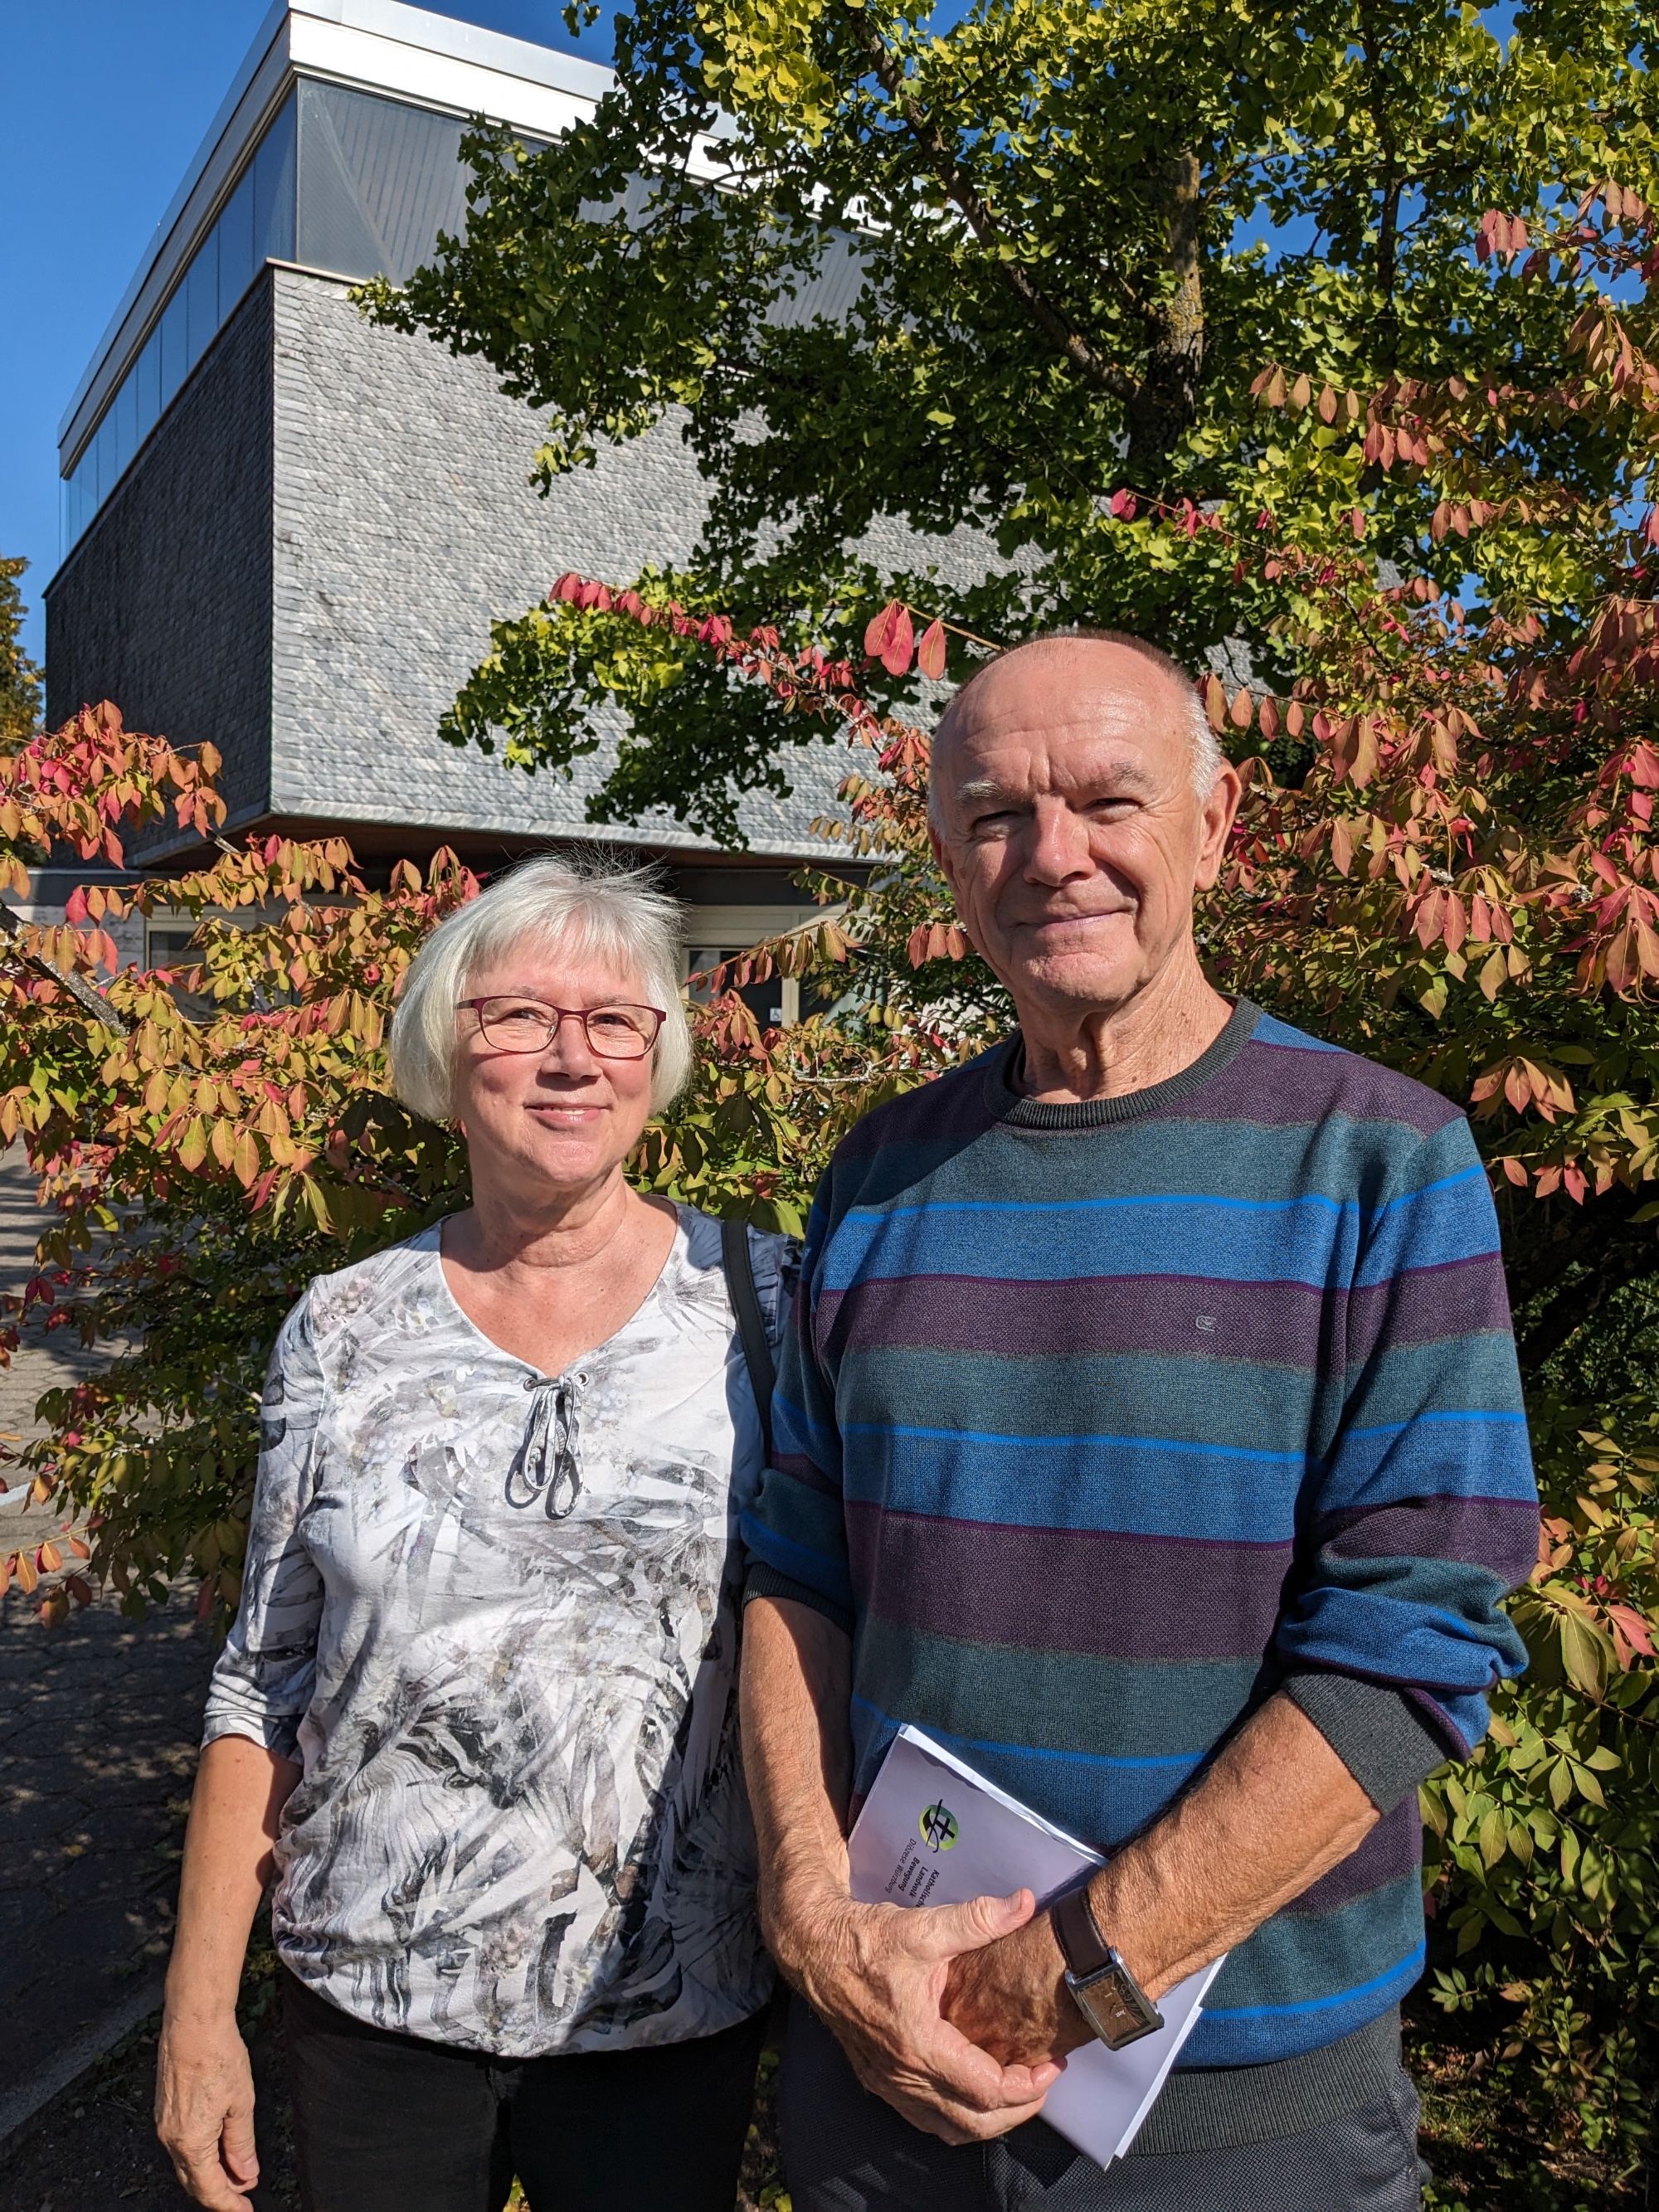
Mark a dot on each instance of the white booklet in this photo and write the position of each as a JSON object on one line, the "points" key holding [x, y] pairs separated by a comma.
{"points": [[933, 1831]]}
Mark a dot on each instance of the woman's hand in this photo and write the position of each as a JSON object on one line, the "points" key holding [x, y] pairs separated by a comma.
{"points": [[204, 2109], [203, 2083]]}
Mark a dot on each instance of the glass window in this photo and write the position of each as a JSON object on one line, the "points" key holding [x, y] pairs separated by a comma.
{"points": [[175, 352], [201, 291], [125, 415], [147, 384], [273, 191], [235, 229], [103, 451], [378, 181], [257, 223]]}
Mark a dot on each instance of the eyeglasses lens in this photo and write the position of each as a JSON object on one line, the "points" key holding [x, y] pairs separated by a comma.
{"points": [[526, 1025]]}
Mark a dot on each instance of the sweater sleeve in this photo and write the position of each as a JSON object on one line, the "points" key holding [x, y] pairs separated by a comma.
{"points": [[1424, 1513], [262, 1682], [796, 1531]]}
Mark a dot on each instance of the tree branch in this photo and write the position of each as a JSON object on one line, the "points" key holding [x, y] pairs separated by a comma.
{"points": [[949, 175], [84, 993]]}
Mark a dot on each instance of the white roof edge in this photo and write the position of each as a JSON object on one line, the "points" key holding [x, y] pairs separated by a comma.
{"points": [[494, 53], [466, 42]]}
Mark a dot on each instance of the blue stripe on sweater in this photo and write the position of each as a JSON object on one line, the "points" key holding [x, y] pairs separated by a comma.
{"points": [[1310, 1239]]}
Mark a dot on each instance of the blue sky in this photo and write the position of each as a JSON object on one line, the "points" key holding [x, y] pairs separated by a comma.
{"points": [[102, 105]]}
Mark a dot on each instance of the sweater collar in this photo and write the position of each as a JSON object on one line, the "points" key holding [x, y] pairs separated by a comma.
{"points": [[1009, 1104]]}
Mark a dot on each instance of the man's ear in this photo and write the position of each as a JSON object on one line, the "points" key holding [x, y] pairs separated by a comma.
{"points": [[1217, 818]]}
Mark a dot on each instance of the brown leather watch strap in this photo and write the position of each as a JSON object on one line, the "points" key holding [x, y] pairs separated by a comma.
{"points": [[1086, 1950]]}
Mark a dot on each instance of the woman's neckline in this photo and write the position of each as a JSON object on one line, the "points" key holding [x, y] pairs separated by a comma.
{"points": [[653, 1289]]}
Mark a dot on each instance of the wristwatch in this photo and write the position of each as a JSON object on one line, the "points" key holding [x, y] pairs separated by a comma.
{"points": [[1111, 1999]]}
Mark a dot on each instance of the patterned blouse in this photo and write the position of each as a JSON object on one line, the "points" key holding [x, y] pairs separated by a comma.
{"points": [[493, 1614]]}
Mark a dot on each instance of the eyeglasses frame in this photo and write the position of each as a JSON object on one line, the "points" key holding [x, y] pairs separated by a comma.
{"points": [[562, 1015]]}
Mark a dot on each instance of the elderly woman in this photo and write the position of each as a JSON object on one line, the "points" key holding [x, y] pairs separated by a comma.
{"points": [[478, 1709]]}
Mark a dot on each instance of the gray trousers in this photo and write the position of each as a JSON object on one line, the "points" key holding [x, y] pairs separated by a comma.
{"points": [[846, 2151]]}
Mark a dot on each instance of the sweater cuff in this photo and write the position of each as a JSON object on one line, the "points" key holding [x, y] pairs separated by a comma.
{"points": [[767, 1581], [1379, 1734]]}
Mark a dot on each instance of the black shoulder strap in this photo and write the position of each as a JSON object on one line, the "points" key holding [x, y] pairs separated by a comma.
{"points": [[752, 1327]]}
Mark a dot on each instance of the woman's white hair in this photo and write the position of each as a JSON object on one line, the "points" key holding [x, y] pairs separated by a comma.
{"points": [[578, 906]]}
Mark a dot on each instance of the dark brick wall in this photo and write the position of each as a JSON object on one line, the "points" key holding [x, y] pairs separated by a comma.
{"points": [[165, 604]]}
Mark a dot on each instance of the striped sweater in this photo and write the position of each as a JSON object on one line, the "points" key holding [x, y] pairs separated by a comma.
{"points": [[1097, 1423]]}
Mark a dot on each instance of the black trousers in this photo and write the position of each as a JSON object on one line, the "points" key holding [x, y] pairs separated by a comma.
{"points": [[388, 2122], [844, 2150]]}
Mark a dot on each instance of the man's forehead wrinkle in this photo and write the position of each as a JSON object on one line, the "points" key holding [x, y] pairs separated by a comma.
{"points": [[1055, 772]]}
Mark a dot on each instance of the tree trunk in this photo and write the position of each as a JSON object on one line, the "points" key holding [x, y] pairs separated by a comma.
{"points": [[1167, 402]]}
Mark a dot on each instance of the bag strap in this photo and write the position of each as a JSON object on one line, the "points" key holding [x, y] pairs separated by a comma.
{"points": [[752, 1327]]}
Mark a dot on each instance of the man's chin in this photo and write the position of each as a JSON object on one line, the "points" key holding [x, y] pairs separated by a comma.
{"points": [[1075, 982]]}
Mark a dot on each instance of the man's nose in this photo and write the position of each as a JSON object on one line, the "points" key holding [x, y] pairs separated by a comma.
{"points": [[1059, 843]]}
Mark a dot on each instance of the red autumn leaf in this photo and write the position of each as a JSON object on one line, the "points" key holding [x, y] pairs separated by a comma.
{"points": [[75, 907], [1630, 1626], [894, 656], [930, 652], [878, 631], [1624, 962]]}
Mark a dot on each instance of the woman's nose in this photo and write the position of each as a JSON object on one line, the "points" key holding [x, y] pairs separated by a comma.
{"points": [[568, 1047]]}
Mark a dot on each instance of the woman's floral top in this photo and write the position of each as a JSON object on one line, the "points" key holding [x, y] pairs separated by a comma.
{"points": [[493, 1614]]}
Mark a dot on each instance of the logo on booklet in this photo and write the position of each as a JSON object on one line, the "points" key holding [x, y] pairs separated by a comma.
{"points": [[939, 1827]]}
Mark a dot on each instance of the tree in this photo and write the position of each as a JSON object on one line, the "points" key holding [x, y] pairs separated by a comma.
{"points": [[1072, 235], [19, 679]]}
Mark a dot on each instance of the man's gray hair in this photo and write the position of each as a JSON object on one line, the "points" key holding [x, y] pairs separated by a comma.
{"points": [[1205, 759], [579, 907]]}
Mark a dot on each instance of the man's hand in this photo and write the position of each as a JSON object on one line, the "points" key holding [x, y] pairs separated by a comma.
{"points": [[1011, 1997], [877, 1974], [204, 2111]]}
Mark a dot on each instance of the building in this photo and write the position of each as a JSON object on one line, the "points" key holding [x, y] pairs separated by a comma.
{"points": [[287, 530]]}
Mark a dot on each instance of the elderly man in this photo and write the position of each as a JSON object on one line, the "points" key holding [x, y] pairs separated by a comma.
{"points": [[1151, 1435]]}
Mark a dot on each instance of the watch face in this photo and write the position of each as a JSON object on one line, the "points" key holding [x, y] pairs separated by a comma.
{"points": [[1112, 2011]]}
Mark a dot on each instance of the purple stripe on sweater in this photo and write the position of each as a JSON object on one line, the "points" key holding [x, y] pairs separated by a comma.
{"points": [[1392, 1850], [1430, 1305], [1276, 1086], [1103, 1596], [1276, 1324], [1498, 1534]]}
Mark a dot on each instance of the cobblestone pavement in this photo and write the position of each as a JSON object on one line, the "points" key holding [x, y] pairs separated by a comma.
{"points": [[98, 1726]]}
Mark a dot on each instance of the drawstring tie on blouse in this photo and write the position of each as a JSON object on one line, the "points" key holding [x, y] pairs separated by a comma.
{"points": [[548, 1466]]}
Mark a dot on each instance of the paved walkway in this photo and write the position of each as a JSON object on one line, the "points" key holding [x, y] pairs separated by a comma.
{"points": [[98, 1726]]}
